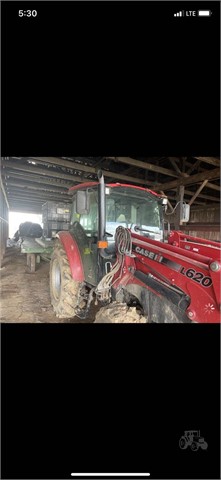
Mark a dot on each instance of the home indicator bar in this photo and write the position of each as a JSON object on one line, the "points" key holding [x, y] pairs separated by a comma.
{"points": [[106, 475]]}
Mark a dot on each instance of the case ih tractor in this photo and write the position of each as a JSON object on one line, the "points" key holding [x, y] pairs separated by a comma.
{"points": [[192, 439], [116, 255]]}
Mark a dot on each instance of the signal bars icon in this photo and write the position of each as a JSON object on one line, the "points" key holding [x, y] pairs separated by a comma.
{"points": [[179, 14]]}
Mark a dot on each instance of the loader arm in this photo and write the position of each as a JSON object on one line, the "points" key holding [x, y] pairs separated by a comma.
{"points": [[167, 269]]}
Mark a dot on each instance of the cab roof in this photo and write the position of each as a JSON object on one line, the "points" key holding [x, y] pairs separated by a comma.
{"points": [[82, 186]]}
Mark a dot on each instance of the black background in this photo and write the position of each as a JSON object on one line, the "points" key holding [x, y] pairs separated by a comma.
{"points": [[109, 398], [124, 78], [118, 78]]}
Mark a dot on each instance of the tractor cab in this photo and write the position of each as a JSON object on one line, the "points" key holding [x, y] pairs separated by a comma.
{"points": [[131, 207], [193, 434], [97, 211]]}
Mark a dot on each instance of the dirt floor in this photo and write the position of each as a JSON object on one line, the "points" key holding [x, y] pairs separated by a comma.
{"points": [[24, 296]]}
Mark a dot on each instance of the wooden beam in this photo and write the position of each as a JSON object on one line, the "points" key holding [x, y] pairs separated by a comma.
{"points": [[201, 195], [36, 200], [30, 193], [198, 202], [175, 166], [197, 178], [40, 198], [173, 162], [210, 160], [88, 169], [24, 191], [130, 170], [42, 186], [193, 167], [210, 185], [217, 188], [59, 162], [41, 171], [32, 186], [197, 192], [36, 179], [74, 166], [213, 187], [145, 165]]}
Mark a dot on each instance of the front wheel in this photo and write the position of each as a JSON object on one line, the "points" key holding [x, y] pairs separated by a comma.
{"points": [[194, 447], [119, 313], [64, 290]]}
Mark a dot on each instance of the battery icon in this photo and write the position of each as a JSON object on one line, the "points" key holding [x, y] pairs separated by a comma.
{"points": [[204, 13]]}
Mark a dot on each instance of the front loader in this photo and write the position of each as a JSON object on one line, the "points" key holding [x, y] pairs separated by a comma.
{"points": [[116, 255]]}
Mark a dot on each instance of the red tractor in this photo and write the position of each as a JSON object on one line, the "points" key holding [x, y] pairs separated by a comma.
{"points": [[116, 254]]}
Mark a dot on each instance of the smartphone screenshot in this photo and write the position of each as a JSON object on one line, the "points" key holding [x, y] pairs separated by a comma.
{"points": [[110, 240]]}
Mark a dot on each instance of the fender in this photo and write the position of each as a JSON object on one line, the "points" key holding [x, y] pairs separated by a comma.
{"points": [[71, 248]]}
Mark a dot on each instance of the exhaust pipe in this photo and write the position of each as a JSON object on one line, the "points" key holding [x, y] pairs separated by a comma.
{"points": [[101, 222], [101, 207]]}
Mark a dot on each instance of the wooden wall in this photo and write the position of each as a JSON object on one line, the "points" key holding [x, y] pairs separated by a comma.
{"points": [[209, 215]]}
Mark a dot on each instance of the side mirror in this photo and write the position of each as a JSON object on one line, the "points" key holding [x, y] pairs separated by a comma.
{"points": [[82, 202]]}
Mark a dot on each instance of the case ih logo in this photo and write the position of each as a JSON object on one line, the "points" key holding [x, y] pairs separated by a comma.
{"points": [[157, 258], [147, 253], [192, 439]]}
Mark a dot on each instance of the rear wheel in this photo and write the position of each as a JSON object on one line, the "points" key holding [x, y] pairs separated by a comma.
{"points": [[64, 290], [119, 313]]}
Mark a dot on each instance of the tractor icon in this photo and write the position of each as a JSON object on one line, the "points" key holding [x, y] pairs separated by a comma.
{"points": [[192, 439]]}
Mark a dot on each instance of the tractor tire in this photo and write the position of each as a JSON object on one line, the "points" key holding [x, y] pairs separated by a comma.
{"points": [[183, 443], [204, 446], [194, 447], [119, 313], [64, 290]]}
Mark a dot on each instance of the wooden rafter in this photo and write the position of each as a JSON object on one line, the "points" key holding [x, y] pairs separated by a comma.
{"points": [[202, 195], [35, 179], [41, 171], [193, 167], [198, 191], [175, 166], [88, 169], [31, 186], [210, 160], [145, 165], [52, 175], [199, 177]]}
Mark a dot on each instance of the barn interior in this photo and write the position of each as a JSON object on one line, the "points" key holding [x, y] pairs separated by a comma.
{"points": [[28, 183]]}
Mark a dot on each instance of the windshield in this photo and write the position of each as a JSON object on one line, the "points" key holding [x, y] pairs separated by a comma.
{"points": [[134, 209]]}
